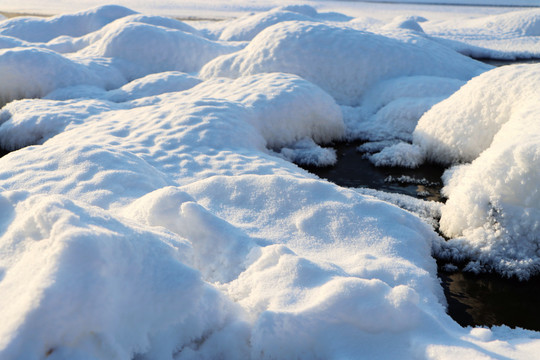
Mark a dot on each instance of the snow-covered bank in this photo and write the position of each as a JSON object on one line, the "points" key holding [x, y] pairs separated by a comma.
{"points": [[493, 207], [150, 210]]}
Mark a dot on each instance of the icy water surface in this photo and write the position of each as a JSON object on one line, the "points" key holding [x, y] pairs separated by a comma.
{"points": [[483, 300]]}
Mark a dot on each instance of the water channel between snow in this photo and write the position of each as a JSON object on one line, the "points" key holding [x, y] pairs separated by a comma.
{"points": [[476, 300]]}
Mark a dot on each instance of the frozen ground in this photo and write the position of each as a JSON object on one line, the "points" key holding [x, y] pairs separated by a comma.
{"points": [[149, 208]]}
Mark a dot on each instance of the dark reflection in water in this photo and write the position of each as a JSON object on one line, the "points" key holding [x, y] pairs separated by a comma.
{"points": [[483, 300], [352, 170], [488, 299]]}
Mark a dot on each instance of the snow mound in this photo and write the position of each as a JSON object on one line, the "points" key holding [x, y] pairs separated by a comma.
{"points": [[70, 44], [287, 107], [493, 207], [308, 49], [153, 84], [8, 42], [246, 28], [525, 23], [150, 85], [281, 108], [32, 72], [111, 288], [464, 125], [149, 49], [35, 29]]}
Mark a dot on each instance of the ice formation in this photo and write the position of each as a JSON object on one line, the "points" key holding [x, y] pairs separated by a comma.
{"points": [[151, 210]]}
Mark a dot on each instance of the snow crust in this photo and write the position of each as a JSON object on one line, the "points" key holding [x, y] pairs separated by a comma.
{"points": [[151, 210]]}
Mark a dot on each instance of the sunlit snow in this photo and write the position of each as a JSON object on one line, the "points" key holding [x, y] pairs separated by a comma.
{"points": [[151, 208]]}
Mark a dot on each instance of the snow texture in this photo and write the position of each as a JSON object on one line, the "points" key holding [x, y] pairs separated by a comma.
{"points": [[493, 202], [512, 35], [303, 48], [150, 208]]}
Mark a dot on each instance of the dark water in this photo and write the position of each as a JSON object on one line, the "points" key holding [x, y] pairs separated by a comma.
{"points": [[352, 170], [487, 299], [483, 300]]}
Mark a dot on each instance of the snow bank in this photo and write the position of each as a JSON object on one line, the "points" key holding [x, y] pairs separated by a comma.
{"points": [[27, 122], [239, 230], [288, 108], [492, 209], [308, 49]]}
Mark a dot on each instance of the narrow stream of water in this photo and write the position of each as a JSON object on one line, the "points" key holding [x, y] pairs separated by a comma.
{"points": [[352, 170], [476, 300]]}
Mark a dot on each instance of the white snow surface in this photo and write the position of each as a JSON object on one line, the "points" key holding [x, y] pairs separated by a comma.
{"points": [[150, 208], [300, 47], [493, 202], [502, 36]]}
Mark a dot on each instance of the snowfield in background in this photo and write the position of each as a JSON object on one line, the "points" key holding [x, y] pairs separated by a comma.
{"points": [[150, 208]]}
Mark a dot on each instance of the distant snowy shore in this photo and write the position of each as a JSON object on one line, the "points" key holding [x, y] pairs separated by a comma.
{"points": [[150, 207]]}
